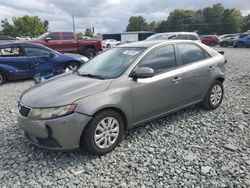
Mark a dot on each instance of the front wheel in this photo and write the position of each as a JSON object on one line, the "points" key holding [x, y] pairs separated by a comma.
{"points": [[3, 78], [103, 133], [214, 95], [241, 45], [73, 66]]}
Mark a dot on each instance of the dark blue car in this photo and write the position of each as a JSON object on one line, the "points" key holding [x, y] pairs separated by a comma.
{"points": [[242, 41], [24, 60]]}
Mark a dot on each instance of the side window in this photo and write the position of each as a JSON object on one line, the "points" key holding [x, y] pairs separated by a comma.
{"points": [[11, 52], [54, 36], [193, 37], [31, 51], [68, 36], [190, 53], [182, 37], [161, 59]]}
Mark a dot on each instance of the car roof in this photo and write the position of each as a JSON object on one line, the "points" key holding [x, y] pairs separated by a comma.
{"points": [[148, 43], [172, 33]]}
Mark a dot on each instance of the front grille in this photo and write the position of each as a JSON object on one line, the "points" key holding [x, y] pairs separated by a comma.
{"points": [[24, 111]]}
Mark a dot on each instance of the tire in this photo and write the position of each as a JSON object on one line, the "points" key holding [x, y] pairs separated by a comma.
{"points": [[73, 65], [212, 44], [90, 53], [108, 46], [3, 78], [214, 95], [241, 45], [224, 44], [96, 144]]}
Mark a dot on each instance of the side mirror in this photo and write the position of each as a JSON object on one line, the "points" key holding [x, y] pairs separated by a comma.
{"points": [[48, 39], [143, 72], [52, 54]]}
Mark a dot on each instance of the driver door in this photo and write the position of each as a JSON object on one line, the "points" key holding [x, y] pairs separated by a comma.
{"points": [[157, 95], [40, 59]]}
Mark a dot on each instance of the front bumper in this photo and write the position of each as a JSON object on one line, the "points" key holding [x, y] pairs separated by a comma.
{"points": [[63, 133]]}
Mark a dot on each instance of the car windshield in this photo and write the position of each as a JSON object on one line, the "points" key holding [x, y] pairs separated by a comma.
{"points": [[42, 36], [111, 64]]}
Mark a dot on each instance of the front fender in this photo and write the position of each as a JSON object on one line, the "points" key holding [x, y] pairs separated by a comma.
{"points": [[111, 98]]}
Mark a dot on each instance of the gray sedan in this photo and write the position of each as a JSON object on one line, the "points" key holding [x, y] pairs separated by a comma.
{"points": [[120, 89]]}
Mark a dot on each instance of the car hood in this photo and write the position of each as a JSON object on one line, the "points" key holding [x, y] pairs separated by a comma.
{"points": [[63, 90]]}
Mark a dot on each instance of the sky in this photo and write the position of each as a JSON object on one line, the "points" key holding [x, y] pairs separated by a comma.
{"points": [[106, 16]]}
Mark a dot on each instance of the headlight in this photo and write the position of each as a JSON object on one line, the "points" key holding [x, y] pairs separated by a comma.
{"points": [[84, 58], [48, 113]]}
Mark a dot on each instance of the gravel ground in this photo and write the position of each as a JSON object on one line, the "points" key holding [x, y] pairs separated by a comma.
{"points": [[191, 148]]}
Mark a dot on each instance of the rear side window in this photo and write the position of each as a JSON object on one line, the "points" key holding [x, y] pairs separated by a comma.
{"points": [[182, 37], [193, 37], [54, 36], [190, 53], [11, 52], [160, 60], [68, 36]]}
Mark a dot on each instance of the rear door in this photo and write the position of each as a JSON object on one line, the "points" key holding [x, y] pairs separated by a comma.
{"points": [[69, 42], [15, 61], [39, 58], [195, 67]]}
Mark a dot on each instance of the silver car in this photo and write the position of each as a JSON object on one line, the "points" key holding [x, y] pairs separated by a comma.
{"points": [[120, 89]]}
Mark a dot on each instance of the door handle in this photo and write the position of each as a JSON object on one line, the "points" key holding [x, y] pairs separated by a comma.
{"points": [[211, 68], [176, 79]]}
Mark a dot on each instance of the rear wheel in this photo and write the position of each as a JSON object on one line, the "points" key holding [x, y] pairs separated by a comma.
{"points": [[73, 65], [3, 78], [103, 133], [224, 44], [90, 53], [214, 95]]}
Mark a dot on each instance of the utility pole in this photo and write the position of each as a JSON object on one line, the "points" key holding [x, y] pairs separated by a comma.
{"points": [[73, 20]]}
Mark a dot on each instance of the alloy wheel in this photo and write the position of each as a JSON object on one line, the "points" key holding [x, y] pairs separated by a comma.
{"points": [[106, 132], [216, 95]]}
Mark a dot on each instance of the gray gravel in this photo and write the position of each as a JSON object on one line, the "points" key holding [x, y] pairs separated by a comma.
{"points": [[191, 148]]}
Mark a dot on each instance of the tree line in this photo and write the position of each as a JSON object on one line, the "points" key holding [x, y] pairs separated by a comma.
{"points": [[210, 20]]}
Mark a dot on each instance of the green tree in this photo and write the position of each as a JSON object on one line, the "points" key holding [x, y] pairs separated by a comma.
{"points": [[46, 24], [25, 26], [79, 34], [246, 23], [137, 23], [8, 29], [232, 21], [88, 32]]}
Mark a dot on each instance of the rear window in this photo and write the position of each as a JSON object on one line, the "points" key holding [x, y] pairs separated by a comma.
{"points": [[68, 36], [11, 52], [193, 37], [182, 37]]}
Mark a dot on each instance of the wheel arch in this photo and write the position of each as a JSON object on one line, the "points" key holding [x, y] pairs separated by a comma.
{"points": [[71, 61]]}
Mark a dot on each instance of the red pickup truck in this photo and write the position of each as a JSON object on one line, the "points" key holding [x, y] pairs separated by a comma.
{"points": [[68, 42]]}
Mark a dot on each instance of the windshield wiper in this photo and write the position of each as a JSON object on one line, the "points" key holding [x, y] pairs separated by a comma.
{"points": [[93, 76]]}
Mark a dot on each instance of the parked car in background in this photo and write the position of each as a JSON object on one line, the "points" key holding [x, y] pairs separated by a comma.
{"points": [[210, 40], [109, 43], [23, 38], [120, 89], [68, 42], [175, 35], [242, 41], [124, 42], [4, 37], [228, 41], [222, 37], [24, 60]]}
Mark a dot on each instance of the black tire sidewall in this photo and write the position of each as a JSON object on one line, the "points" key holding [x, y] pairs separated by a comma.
{"points": [[4, 79], [207, 102], [88, 135], [90, 53]]}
